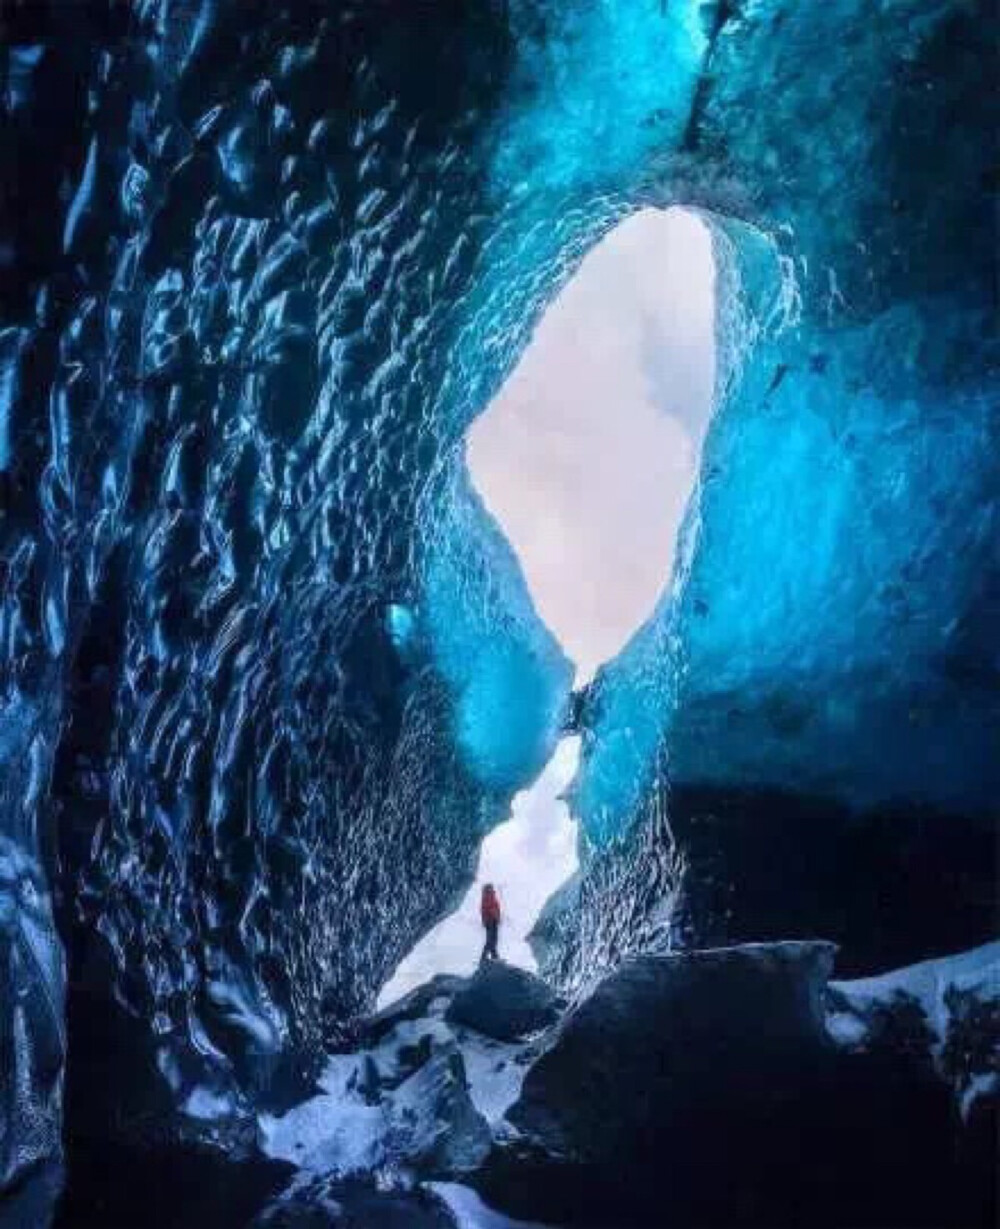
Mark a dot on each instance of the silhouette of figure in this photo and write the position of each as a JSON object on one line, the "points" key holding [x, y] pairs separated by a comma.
{"points": [[490, 911]]}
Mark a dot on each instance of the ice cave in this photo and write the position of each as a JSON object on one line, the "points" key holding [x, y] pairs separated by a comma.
{"points": [[592, 504], [271, 673]]}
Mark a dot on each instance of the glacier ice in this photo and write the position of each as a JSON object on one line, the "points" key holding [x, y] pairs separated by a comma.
{"points": [[269, 673], [814, 701], [33, 1041], [507, 677]]}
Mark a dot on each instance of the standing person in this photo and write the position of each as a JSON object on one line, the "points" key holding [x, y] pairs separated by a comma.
{"points": [[490, 911]]}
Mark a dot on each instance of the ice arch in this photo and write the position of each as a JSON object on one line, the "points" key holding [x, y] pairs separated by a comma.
{"points": [[298, 254], [587, 458]]}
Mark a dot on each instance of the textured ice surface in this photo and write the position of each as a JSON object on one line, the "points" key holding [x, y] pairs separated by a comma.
{"points": [[260, 271], [233, 277], [828, 633], [506, 675], [32, 1041]]}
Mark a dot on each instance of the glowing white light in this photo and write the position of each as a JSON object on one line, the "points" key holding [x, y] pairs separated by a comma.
{"points": [[588, 454], [587, 458]]}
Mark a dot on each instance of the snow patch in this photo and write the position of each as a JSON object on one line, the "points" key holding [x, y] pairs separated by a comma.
{"points": [[943, 990], [326, 1135], [471, 1213], [976, 972], [374, 1103], [496, 1072]]}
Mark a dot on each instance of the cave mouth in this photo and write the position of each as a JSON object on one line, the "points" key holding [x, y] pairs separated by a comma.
{"points": [[588, 454], [587, 459]]}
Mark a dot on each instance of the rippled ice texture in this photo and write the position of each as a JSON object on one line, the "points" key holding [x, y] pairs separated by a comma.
{"points": [[269, 672]]}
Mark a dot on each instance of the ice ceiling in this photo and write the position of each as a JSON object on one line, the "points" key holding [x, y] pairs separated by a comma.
{"points": [[270, 672]]}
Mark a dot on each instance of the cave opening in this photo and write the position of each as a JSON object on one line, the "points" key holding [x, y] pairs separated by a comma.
{"points": [[587, 459], [275, 663]]}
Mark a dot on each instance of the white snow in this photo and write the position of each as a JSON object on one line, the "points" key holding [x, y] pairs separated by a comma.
{"points": [[327, 1135], [337, 1133], [470, 1211], [846, 1029], [204, 1104], [977, 971], [496, 1072], [527, 858]]}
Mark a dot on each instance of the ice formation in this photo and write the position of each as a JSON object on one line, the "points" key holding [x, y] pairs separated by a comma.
{"points": [[269, 672]]}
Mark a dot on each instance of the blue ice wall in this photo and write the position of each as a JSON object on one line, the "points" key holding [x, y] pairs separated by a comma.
{"points": [[864, 666], [591, 78], [507, 676], [259, 272], [828, 637], [235, 242]]}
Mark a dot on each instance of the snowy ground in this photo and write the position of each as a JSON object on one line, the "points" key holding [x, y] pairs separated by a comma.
{"points": [[379, 1107], [344, 1130], [428, 1096], [471, 1213]]}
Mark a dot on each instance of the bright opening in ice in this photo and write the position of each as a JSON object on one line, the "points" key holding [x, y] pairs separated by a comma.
{"points": [[527, 858], [588, 455], [587, 458]]}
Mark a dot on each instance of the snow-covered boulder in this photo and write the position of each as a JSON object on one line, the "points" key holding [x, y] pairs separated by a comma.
{"points": [[946, 1011], [704, 1088], [434, 1123], [735, 1087], [405, 1107], [417, 1098], [504, 1002], [420, 1002]]}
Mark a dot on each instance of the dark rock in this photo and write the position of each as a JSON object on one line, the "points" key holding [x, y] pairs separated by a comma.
{"points": [[410, 1007], [325, 1204], [504, 1002], [368, 1084], [118, 1187], [662, 1030], [436, 1130], [410, 1058], [702, 1090]]}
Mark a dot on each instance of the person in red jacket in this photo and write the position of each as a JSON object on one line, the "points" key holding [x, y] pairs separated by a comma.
{"points": [[489, 909]]}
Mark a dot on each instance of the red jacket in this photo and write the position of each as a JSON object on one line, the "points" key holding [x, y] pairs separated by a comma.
{"points": [[490, 907]]}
